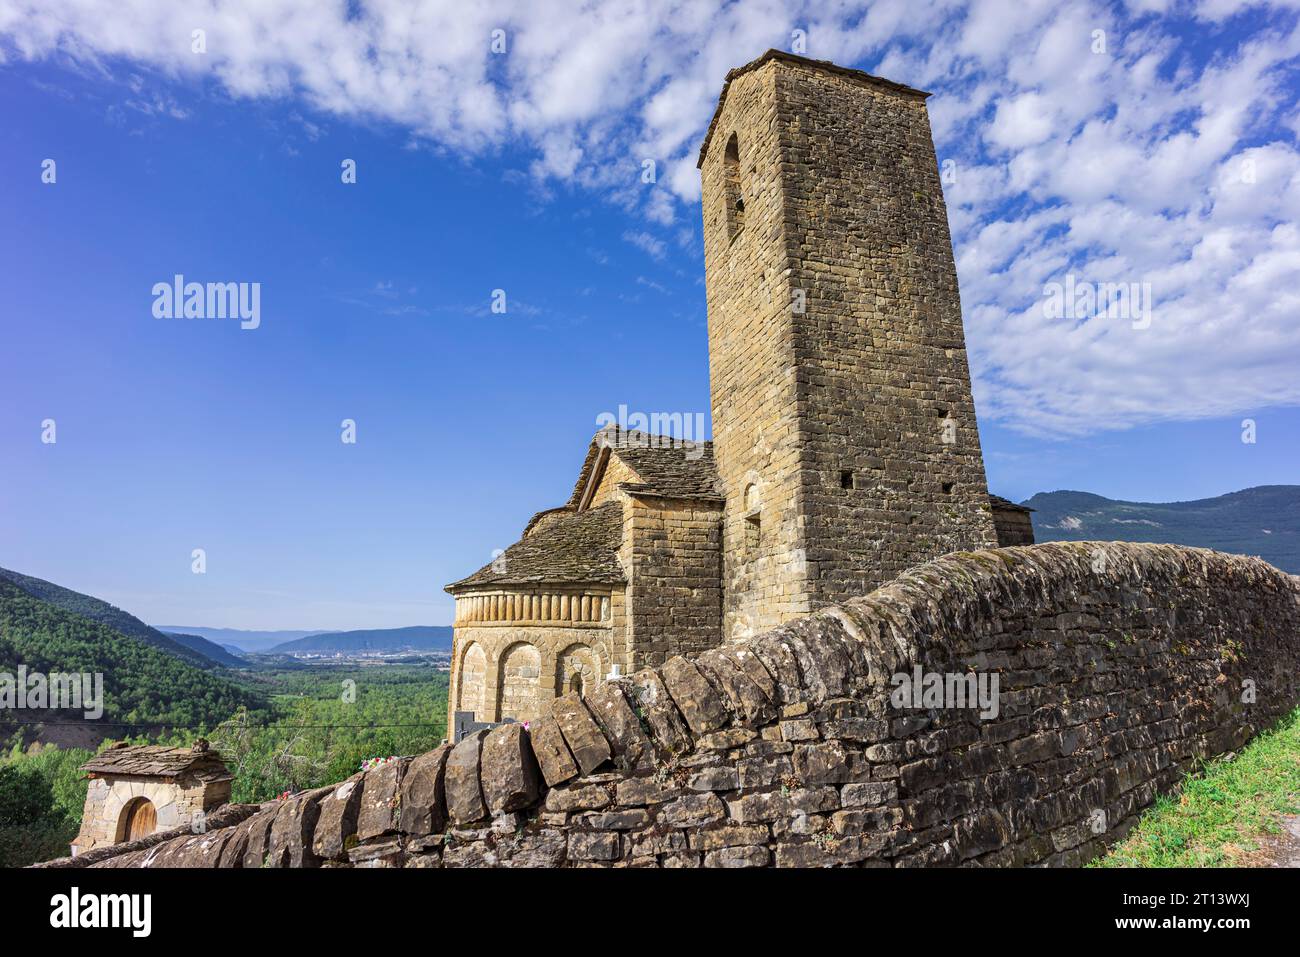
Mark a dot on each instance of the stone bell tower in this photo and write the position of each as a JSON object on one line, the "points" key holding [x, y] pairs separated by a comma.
{"points": [[844, 428]]}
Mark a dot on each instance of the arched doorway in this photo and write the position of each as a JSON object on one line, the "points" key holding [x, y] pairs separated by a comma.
{"points": [[139, 819]]}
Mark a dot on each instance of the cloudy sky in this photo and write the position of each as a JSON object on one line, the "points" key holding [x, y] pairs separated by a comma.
{"points": [[502, 146]]}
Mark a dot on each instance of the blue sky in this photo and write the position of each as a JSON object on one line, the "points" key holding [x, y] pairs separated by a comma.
{"points": [[522, 172]]}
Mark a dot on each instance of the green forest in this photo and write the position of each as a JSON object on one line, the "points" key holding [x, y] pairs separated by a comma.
{"points": [[143, 685], [319, 725], [279, 728]]}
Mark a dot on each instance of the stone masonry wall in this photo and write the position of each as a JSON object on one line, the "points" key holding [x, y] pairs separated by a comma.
{"points": [[883, 386], [175, 802], [521, 666], [674, 547], [1120, 665], [844, 427]]}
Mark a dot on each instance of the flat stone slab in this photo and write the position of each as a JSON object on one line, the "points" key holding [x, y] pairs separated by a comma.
{"points": [[581, 733], [461, 782], [508, 771], [552, 753]]}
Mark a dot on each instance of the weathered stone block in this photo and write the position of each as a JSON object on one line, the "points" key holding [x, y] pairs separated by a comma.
{"points": [[576, 797], [651, 701], [423, 798], [697, 700], [461, 780], [593, 846], [581, 733], [380, 797], [337, 820], [724, 778], [728, 835], [552, 753], [631, 747], [508, 771], [738, 857], [692, 810], [821, 763]]}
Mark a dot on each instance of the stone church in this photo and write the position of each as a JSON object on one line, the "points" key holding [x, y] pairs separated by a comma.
{"points": [[845, 445]]}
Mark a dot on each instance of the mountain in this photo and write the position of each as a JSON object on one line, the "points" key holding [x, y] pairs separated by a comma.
{"points": [[143, 685], [239, 640], [1263, 521], [190, 648], [209, 649], [375, 641]]}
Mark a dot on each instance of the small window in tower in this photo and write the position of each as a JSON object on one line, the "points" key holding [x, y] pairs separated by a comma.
{"points": [[734, 198], [753, 534], [947, 487], [846, 478]]}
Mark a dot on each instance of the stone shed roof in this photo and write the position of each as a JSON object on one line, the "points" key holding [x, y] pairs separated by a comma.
{"points": [[157, 761], [997, 501], [826, 65], [666, 466], [570, 547]]}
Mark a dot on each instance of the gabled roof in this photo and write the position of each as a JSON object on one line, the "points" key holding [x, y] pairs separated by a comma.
{"points": [[825, 65], [157, 761], [998, 502], [667, 467], [569, 547], [577, 544]]}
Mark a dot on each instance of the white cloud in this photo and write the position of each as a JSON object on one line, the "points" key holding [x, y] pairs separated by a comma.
{"points": [[1158, 161], [655, 248]]}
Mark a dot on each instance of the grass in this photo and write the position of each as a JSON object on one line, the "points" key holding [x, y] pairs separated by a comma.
{"points": [[1224, 813]]}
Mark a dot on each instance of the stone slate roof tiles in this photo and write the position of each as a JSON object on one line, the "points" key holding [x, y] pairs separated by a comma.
{"points": [[997, 501], [672, 470], [158, 761], [569, 547], [666, 466]]}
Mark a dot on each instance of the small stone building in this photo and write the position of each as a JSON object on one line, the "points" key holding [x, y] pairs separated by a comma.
{"points": [[1012, 521], [845, 445], [138, 789]]}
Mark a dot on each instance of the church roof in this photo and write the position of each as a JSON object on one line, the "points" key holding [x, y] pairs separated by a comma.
{"points": [[576, 544], [667, 467], [569, 547], [157, 761], [997, 501]]}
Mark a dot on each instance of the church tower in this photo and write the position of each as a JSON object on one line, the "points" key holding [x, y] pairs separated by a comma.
{"points": [[844, 428]]}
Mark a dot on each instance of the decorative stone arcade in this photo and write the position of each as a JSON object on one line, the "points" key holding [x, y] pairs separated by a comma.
{"points": [[515, 651]]}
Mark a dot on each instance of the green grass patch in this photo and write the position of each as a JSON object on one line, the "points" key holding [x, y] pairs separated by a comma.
{"points": [[1223, 812]]}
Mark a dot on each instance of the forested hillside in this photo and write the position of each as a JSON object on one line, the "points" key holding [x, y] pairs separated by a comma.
{"points": [[1263, 521], [143, 685], [192, 648]]}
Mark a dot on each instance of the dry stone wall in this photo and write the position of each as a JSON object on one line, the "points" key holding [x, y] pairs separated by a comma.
{"points": [[1120, 665]]}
